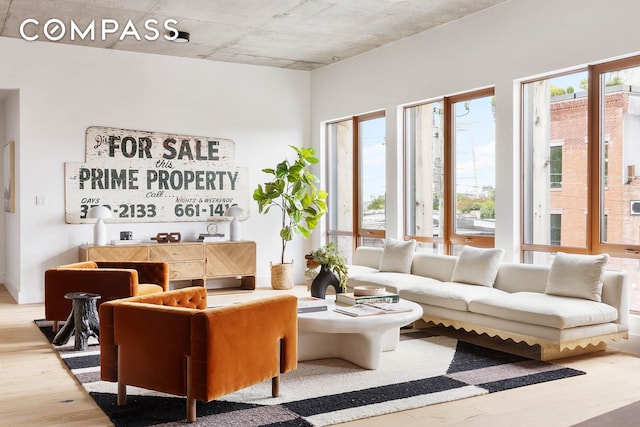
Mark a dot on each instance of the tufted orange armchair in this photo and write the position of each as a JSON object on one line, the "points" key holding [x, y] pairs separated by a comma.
{"points": [[110, 280], [171, 342]]}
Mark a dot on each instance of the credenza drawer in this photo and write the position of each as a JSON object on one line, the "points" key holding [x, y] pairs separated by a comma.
{"points": [[172, 252]]}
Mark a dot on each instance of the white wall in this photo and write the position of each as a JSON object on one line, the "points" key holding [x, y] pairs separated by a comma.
{"points": [[496, 47], [65, 89]]}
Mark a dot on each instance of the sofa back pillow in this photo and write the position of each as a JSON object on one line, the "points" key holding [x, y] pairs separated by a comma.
{"points": [[397, 255], [435, 266], [578, 276], [477, 266]]}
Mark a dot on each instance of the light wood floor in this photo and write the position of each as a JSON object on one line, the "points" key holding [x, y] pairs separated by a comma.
{"points": [[37, 390]]}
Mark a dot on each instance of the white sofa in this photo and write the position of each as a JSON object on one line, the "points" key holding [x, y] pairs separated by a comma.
{"points": [[517, 305]]}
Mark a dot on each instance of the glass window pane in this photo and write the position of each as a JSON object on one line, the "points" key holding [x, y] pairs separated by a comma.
{"points": [[555, 161], [371, 142], [345, 246], [424, 170], [632, 268], [620, 157], [340, 175], [371, 241], [474, 157], [430, 247]]}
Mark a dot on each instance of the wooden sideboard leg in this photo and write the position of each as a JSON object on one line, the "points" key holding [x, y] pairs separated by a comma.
{"points": [[248, 282], [199, 282]]}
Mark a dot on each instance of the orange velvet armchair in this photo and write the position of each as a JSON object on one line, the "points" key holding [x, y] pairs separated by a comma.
{"points": [[172, 343], [111, 280]]}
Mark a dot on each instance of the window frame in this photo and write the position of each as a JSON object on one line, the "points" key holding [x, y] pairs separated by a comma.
{"points": [[357, 233], [449, 239]]}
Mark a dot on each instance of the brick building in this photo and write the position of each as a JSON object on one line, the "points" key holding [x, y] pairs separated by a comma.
{"points": [[568, 138]]}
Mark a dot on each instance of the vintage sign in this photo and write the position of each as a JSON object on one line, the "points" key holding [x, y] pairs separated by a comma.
{"points": [[155, 177]]}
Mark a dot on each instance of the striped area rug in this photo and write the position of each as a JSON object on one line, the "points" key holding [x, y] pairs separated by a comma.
{"points": [[425, 369]]}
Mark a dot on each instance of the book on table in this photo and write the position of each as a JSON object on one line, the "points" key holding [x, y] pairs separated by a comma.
{"points": [[350, 299], [311, 304], [374, 309]]}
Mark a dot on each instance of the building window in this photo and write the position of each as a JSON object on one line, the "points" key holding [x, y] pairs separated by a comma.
{"points": [[555, 234], [555, 166]]}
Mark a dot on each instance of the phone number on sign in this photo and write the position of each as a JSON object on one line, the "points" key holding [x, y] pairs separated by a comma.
{"points": [[149, 210], [125, 211]]}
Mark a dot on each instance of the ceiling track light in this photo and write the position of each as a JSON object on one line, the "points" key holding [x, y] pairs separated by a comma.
{"points": [[182, 37]]}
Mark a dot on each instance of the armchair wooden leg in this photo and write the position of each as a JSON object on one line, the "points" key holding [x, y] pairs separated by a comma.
{"points": [[55, 326], [191, 402], [122, 394], [191, 409], [121, 400], [275, 386], [275, 381]]}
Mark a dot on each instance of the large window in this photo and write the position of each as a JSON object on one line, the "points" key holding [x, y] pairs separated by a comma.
{"points": [[424, 166], [356, 163], [596, 115], [371, 175], [450, 172], [555, 164], [341, 185], [472, 132]]}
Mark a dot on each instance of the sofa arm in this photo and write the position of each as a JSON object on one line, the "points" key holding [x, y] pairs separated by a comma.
{"points": [[108, 349], [615, 292], [241, 344], [191, 297], [148, 271], [153, 343], [109, 284]]}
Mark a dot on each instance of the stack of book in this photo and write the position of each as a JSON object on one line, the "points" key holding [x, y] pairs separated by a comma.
{"points": [[211, 237], [311, 304], [373, 309], [351, 299]]}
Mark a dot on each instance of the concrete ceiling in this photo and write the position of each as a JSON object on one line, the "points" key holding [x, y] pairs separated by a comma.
{"points": [[295, 34]]}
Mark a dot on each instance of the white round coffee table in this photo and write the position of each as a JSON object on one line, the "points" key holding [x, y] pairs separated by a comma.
{"points": [[360, 340]]}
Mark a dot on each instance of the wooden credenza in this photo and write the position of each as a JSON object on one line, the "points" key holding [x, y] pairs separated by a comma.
{"points": [[193, 261]]}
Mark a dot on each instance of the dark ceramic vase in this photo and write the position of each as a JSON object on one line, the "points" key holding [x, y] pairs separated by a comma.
{"points": [[322, 281]]}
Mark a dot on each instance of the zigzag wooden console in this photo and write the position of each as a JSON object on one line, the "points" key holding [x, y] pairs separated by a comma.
{"points": [[195, 261]]}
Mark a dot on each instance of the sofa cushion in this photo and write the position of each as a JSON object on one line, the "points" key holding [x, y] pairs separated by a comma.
{"points": [[393, 282], [544, 310], [477, 266], [455, 296], [579, 276], [397, 255], [436, 266], [357, 270]]}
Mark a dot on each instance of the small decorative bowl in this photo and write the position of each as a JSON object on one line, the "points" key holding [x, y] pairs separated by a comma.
{"points": [[360, 291]]}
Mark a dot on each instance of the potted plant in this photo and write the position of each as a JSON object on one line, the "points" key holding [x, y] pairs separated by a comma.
{"points": [[293, 191], [333, 270]]}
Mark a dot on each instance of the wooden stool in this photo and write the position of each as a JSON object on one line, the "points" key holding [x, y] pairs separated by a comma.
{"points": [[82, 322]]}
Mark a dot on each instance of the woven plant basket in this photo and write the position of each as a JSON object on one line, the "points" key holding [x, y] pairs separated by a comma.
{"points": [[282, 275]]}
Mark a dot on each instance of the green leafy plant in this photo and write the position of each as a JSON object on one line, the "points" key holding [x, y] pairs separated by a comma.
{"points": [[293, 190], [329, 257]]}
